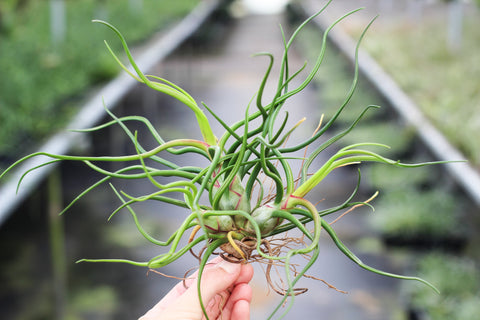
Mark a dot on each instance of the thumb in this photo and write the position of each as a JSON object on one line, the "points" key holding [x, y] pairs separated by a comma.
{"points": [[215, 280], [218, 279]]}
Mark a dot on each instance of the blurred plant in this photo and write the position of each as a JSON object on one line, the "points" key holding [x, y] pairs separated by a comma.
{"points": [[40, 82], [458, 280], [252, 193], [389, 179], [415, 213], [434, 77], [7, 9]]}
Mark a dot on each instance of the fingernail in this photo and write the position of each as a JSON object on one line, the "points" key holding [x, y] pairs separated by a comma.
{"points": [[228, 267]]}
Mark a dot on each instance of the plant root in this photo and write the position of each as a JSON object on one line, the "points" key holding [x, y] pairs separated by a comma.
{"points": [[275, 248]]}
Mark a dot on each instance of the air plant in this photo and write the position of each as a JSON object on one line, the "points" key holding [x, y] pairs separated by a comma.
{"points": [[239, 219]]}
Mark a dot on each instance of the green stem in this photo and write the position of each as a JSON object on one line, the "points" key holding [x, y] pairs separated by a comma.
{"points": [[359, 262], [164, 86]]}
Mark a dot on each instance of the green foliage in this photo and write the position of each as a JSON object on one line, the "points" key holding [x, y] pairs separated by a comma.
{"points": [[7, 12], [442, 83], [409, 212], [389, 179], [459, 283], [100, 302], [335, 79], [399, 141], [42, 83]]}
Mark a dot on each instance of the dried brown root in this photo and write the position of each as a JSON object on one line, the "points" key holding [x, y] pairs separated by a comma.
{"points": [[243, 251], [190, 239], [165, 275], [326, 283], [354, 207], [274, 247]]}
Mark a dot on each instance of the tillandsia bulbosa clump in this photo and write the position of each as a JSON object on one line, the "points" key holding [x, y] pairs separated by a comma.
{"points": [[231, 211]]}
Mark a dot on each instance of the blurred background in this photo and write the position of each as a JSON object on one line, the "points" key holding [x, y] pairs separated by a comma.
{"points": [[53, 62]]}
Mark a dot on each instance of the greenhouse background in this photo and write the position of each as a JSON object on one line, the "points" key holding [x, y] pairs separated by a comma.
{"points": [[56, 70]]}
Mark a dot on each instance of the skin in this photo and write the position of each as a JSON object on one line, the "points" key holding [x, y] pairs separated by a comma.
{"points": [[225, 291]]}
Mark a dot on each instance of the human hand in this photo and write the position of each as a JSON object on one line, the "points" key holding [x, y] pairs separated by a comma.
{"points": [[225, 292]]}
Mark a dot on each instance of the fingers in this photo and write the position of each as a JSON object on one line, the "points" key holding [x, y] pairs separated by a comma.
{"points": [[246, 274], [224, 285], [238, 305], [241, 310], [182, 286], [215, 280]]}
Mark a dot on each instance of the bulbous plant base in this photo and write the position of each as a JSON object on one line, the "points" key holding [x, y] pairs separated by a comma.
{"points": [[242, 250], [232, 254]]}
